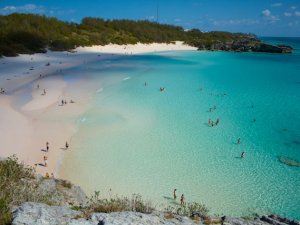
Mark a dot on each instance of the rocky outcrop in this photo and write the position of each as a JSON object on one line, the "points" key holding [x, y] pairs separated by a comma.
{"points": [[62, 192], [42, 214], [246, 46], [289, 161]]}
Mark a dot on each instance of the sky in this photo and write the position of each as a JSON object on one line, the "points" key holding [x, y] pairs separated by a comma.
{"points": [[279, 18]]}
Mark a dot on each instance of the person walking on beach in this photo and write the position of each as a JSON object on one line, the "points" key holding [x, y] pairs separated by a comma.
{"points": [[47, 146], [182, 200], [62, 102], [67, 145], [174, 194], [44, 91], [38, 86], [45, 161], [242, 155]]}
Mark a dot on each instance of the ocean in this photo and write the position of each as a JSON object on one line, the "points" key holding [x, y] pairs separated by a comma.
{"points": [[135, 138]]}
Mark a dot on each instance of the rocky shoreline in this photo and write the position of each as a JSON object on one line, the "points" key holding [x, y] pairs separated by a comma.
{"points": [[27, 198], [240, 46], [42, 214], [68, 201]]}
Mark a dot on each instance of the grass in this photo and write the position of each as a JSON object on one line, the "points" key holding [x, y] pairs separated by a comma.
{"points": [[17, 185], [119, 204]]}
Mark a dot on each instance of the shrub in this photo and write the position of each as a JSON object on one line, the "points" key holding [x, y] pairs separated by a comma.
{"points": [[66, 184], [17, 185], [119, 204], [189, 209]]}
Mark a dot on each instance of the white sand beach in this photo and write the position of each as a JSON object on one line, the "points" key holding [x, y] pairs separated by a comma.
{"points": [[29, 118]]}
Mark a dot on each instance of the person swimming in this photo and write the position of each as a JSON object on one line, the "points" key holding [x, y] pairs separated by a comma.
{"points": [[238, 141]]}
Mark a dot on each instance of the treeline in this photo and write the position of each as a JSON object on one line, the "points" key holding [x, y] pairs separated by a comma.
{"points": [[28, 33]]}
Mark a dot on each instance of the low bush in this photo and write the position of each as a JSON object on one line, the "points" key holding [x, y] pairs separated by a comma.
{"points": [[119, 204], [17, 185]]}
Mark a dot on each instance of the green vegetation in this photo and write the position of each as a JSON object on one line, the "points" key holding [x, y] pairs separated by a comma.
{"points": [[28, 33], [191, 210], [17, 185], [119, 204]]}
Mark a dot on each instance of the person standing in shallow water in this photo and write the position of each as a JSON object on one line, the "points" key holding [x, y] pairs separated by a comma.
{"points": [[47, 146], [174, 194], [242, 155], [238, 141], [182, 200]]}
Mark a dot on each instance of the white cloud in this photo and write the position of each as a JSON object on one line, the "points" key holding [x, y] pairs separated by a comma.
{"points": [[268, 17], [234, 22], [287, 14], [277, 4], [9, 8], [297, 13], [266, 12], [293, 7], [177, 20], [35, 9], [293, 24], [150, 17], [27, 8]]}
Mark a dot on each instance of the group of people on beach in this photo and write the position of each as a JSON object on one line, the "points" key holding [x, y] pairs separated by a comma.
{"points": [[46, 157], [64, 102]]}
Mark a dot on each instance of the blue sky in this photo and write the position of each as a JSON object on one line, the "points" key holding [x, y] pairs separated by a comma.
{"points": [[262, 17]]}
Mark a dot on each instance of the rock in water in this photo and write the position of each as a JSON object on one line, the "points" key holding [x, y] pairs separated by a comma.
{"points": [[288, 161]]}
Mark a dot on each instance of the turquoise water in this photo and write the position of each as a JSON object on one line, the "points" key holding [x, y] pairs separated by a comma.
{"points": [[136, 139]]}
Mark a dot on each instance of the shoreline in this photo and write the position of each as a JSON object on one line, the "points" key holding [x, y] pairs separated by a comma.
{"points": [[30, 118]]}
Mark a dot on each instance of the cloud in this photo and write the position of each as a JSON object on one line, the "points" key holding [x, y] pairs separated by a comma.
{"points": [[293, 24], [287, 14], [268, 17], [27, 8], [277, 4], [297, 13], [266, 12], [150, 17], [177, 20], [293, 7], [35, 9], [233, 22]]}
